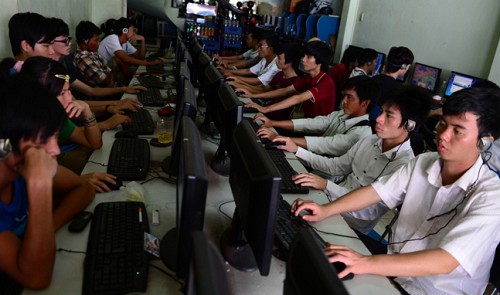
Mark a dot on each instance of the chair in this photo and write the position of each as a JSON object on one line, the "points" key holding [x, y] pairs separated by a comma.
{"points": [[311, 26], [290, 25], [327, 26], [301, 26], [280, 28]]}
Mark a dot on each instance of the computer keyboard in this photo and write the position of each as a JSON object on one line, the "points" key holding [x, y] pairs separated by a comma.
{"points": [[151, 82], [115, 262], [288, 225], [256, 127], [155, 69], [286, 172], [142, 122], [129, 158], [152, 98]]}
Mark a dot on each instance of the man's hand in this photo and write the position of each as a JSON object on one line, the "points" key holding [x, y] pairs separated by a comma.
{"points": [[289, 145], [124, 104], [266, 133], [267, 122], [310, 179], [134, 89], [97, 179], [256, 106], [315, 211], [355, 262], [38, 164]]}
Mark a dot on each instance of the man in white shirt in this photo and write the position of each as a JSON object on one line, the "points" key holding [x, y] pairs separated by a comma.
{"points": [[367, 61], [403, 110], [335, 134], [447, 231]]}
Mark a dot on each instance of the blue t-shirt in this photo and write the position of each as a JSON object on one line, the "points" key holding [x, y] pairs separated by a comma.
{"points": [[14, 216]]}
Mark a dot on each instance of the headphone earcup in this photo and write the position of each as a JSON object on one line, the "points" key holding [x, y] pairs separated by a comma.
{"points": [[125, 30], [404, 66], [5, 148], [483, 143], [410, 125]]}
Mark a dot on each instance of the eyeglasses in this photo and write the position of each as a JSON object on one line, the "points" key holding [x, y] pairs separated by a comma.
{"points": [[66, 41], [64, 77], [263, 46]]}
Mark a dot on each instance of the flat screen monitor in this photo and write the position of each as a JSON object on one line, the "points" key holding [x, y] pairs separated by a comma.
{"points": [[426, 77], [177, 244], [458, 82], [207, 275], [255, 184], [380, 64], [308, 270]]}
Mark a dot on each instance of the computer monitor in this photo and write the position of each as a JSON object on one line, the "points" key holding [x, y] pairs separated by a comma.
{"points": [[255, 184], [210, 82], [176, 246], [458, 82], [426, 77], [227, 113], [186, 106], [380, 64], [207, 274], [308, 270]]}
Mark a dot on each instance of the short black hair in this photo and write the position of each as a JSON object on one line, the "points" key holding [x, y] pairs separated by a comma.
{"points": [[413, 102], [350, 55], [28, 111], [108, 27], [482, 102], [366, 55], [321, 52], [44, 70], [85, 30], [293, 54], [57, 27], [30, 27], [365, 88], [397, 57], [122, 24]]}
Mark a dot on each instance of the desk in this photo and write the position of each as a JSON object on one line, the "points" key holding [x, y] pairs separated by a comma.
{"points": [[68, 270]]}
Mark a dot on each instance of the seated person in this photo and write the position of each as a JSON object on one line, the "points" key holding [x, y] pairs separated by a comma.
{"points": [[403, 110], [335, 134], [37, 197], [288, 62], [89, 65], [118, 52], [246, 60], [263, 72], [445, 239], [367, 61], [315, 91], [340, 72]]}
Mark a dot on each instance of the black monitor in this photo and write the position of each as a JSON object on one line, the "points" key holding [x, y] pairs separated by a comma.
{"points": [[210, 81], [207, 275], [186, 106], [255, 184], [426, 77], [380, 64], [148, 26], [308, 270], [176, 246], [227, 114], [201, 63], [459, 81]]}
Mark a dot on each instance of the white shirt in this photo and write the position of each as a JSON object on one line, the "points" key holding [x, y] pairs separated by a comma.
{"points": [[493, 156], [335, 132], [265, 73], [250, 54], [110, 45], [362, 164], [471, 237], [357, 72]]}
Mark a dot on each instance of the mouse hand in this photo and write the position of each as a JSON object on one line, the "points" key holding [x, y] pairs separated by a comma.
{"points": [[266, 133], [134, 89], [114, 121], [266, 122], [255, 106], [311, 180], [354, 262], [289, 145], [97, 179], [315, 212]]}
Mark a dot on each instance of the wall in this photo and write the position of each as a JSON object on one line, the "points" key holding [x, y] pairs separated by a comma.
{"points": [[71, 11], [459, 35]]}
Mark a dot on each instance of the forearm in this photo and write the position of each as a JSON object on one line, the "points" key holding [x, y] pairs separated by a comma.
{"points": [[250, 80], [300, 141], [285, 124], [276, 93], [286, 103], [353, 201]]}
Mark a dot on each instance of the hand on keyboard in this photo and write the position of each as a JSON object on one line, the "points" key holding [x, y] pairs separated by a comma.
{"points": [[352, 260], [311, 180], [266, 133], [313, 212], [289, 145]]}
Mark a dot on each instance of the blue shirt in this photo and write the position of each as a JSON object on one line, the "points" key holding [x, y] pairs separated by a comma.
{"points": [[14, 216]]}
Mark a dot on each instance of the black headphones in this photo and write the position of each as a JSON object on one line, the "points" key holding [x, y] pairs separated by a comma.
{"points": [[5, 148], [409, 125]]}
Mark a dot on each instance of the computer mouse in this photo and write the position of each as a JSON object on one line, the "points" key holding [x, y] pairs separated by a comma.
{"points": [[229, 79], [340, 266], [239, 93], [114, 187], [274, 144], [125, 134]]}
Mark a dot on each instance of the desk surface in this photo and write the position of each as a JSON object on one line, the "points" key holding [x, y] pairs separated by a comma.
{"points": [[68, 270]]}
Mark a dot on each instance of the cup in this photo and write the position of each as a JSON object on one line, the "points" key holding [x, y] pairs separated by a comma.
{"points": [[164, 129]]}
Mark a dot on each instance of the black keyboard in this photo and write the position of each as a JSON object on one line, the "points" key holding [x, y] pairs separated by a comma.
{"points": [[288, 225], [116, 262], [152, 97], [151, 82], [129, 158], [155, 69], [142, 122], [286, 172], [256, 127]]}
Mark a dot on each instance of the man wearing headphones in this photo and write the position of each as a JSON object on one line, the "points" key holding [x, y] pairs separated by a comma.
{"points": [[37, 197], [367, 61], [371, 157], [445, 239], [117, 49]]}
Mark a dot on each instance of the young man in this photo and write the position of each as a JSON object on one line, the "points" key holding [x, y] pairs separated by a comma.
{"points": [[340, 72], [403, 110], [247, 59], [37, 197], [315, 91], [367, 61], [339, 130], [447, 232], [263, 72]]}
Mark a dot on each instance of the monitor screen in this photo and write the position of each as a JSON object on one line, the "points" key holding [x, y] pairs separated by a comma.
{"points": [[380, 64], [426, 77], [459, 81], [255, 184], [308, 270], [176, 246], [207, 274]]}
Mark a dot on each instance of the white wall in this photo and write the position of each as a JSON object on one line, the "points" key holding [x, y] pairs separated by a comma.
{"points": [[459, 35]]}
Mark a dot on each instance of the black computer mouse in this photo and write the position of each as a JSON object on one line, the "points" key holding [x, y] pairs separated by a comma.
{"points": [[126, 134], [340, 266], [274, 144], [239, 93], [114, 187]]}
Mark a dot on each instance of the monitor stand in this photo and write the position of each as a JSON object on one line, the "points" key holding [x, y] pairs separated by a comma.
{"points": [[221, 162], [168, 249], [235, 250]]}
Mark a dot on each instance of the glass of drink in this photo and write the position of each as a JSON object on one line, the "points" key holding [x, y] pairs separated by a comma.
{"points": [[164, 130]]}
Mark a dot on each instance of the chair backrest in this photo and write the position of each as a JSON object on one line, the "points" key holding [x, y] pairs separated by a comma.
{"points": [[301, 26], [495, 270], [290, 24], [311, 26], [327, 25]]}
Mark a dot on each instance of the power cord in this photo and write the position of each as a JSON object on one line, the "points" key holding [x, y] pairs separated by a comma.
{"points": [[222, 212]]}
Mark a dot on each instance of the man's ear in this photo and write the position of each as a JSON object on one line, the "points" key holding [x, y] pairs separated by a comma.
{"points": [[365, 103], [26, 47]]}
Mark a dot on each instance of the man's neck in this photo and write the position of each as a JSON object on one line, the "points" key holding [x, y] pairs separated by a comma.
{"points": [[269, 58], [314, 72], [289, 72], [392, 75], [390, 143], [451, 171]]}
